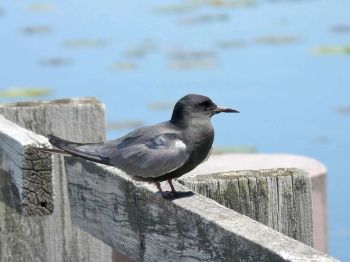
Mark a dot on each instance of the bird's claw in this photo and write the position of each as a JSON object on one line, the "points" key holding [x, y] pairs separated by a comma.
{"points": [[172, 195]]}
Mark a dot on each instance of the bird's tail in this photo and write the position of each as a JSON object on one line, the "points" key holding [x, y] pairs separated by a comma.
{"points": [[69, 148], [53, 151], [62, 143], [59, 143]]}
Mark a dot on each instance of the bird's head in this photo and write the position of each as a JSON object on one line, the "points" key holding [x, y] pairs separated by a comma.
{"points": [[197, 106]]}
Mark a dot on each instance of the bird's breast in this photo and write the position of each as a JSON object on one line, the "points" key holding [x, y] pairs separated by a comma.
{"points": [[199, 143], [198, 140]]}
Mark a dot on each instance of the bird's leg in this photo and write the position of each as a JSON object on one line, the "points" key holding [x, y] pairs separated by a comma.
{"points": [[177, 194], [173, 194], [164, 194], [159, 188], [171, 186]]}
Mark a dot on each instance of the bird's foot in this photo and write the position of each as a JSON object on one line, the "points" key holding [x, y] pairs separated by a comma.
{"points": [[172, 195]]}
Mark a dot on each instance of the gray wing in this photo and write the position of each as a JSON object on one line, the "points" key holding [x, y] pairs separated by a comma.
{"points": [[139, 154]]}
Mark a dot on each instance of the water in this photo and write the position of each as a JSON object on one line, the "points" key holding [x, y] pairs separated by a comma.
{"points": [[287, 94]]}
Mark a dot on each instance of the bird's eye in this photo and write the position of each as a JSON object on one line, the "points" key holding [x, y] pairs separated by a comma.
{"points": [[205, 104]]}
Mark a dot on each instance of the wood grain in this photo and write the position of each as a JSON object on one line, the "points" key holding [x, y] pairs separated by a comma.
{"points": [[279, 198], [257, 161], [25, 174]]}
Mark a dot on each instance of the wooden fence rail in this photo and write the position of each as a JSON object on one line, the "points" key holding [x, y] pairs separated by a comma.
{"points": [[26, 174], [278, 198], [225, 163]]}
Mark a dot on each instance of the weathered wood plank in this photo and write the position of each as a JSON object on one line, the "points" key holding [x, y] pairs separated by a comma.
{"points": [[131, 218], [53, 238], [257, 161], [25, 174], [279, 198], [301, 202], [78, 119], [286, 213]]}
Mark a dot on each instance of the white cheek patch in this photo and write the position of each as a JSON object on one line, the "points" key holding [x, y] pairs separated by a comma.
{"points": [[179, 144]]}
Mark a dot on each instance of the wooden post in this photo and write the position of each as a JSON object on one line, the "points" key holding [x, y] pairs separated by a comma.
{"points": [[278, 198], [53, 238], [25, 174], [316, 171], [131, 218]]}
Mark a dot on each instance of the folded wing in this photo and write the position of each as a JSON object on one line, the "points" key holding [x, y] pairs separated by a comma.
{"points": [[135, 154], [157, 156]]}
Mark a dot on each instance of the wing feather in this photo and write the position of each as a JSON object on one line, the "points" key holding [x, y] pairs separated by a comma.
{"points": [[155, 157], [146, 152]]}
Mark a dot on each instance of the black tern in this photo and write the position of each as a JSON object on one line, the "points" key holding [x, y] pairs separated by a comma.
{"points": [[160, 152]]}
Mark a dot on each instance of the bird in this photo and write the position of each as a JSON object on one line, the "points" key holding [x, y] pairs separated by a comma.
{"points": [[160, 152]]}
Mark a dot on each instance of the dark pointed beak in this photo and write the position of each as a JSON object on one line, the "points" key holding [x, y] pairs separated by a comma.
{"points": [[220, 109]]}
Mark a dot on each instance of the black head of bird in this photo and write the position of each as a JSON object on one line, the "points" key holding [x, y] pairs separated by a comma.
{"points": [[196, 106]]}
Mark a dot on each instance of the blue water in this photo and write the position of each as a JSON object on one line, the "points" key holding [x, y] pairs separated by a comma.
{"points": [[287, 95]]}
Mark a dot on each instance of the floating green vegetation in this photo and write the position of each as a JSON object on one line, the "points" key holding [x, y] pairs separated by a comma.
{"points": [[341, 29], [233, 149], [160, 106], [343, 109], [332, 50], [14, 92], [141, 50], [56, 61], [191, 54], [192, 5], [86, 43], [230, 3], [128, 124], [195, 64], [177, 8], [36, 30], [192, 59], [124, 66], [276, 40], [204, 19], [231, 44], [41, 7]]}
